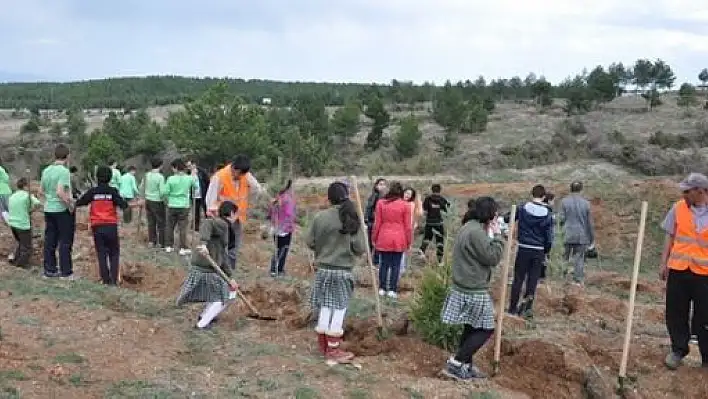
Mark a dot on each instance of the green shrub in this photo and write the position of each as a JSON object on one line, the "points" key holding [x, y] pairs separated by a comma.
{"points": [[427, 306], [430, 296]]}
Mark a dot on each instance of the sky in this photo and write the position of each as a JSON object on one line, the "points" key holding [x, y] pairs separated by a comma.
{"points": [[346, 40]]}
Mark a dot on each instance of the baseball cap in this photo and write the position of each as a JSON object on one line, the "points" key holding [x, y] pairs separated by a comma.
{"points": [[694, 180]]}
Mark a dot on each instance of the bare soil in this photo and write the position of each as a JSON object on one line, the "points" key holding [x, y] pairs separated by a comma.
{"points": [[62, 339]]}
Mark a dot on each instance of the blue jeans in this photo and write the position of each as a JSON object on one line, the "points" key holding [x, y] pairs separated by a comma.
{"points": [[277, 263], [389, 270], [59, 228]]}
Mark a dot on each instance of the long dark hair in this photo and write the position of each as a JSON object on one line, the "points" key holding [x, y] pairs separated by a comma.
{"points": [[395, 191], [287, 187], [375, 190], [483, 210], [413, 193], [338, 195], [470, 213]]}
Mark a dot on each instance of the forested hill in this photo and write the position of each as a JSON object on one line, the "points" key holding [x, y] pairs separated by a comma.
{"points": [[138, 92], [141, 92]]}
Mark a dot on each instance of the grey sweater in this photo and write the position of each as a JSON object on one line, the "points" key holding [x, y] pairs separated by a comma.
{"points": [[473, 257], [576, 219], [214, 233], [334, 250]]}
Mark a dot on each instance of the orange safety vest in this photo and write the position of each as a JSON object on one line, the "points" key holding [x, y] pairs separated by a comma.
{"points": [[690, 249], [230, 192]]}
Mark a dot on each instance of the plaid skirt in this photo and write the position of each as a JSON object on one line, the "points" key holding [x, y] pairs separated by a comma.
{"points": [[201, 286], [332, 289], [476, 309]]}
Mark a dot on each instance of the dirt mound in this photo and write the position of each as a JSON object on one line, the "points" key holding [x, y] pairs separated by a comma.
{"points": [[622, 282], [540, 368], [163, 282], [279, 302], [362, 337]]}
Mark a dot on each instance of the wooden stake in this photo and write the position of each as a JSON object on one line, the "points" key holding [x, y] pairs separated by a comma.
{"points": [[360, 210], [503, 282], [633, 293]]}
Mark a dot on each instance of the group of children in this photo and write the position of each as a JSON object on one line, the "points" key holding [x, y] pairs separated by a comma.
{"points": [[335, 236], [168, 202]]}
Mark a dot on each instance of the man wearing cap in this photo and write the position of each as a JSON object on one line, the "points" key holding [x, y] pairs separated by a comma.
{"points": [[684, 266], [234, 182], [576, 220]]}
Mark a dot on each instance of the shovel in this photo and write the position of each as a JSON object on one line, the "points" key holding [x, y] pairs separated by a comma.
{"points": [[255, 314]]}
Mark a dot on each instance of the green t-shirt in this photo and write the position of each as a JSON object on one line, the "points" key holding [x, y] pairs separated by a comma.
{"points": [[115, 178], [53, 176], [154, 186], [4, 182], [177, 190], [128, 187], [21, 204]]}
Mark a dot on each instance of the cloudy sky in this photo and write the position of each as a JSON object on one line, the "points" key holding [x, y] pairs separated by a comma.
{"points": [[346, 40]]}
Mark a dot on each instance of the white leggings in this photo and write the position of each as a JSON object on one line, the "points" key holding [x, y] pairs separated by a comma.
{"points": [[211, 310], [331, 320]]}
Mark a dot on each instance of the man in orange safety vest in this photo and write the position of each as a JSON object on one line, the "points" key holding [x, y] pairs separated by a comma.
{"points": [[234, 182], [684, 266]]}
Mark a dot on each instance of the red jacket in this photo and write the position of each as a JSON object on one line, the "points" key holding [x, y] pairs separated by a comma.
{"points": [[393, 228]]}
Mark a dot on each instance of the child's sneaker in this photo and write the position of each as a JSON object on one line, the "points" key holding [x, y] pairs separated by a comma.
{"points": [[462, 371], [169, 249], [382, 293], [70, 277], [392, 295], [185, 251], [51, 275], [694, 339]]}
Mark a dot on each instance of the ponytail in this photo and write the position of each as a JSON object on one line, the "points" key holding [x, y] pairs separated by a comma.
{"points": [[349, 218]]}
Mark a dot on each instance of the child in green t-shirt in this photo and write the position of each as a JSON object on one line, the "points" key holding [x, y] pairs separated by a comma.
{"points": [[178, 188], [21, 204], [128, 189], [115, 177], [154, 185]]}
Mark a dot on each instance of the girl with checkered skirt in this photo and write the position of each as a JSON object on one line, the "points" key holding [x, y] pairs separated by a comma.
{"points": [[203, 283], [478, 249], [337, 239]]}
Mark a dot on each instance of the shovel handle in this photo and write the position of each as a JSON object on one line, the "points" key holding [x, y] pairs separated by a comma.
{"points": [[223, 275]]}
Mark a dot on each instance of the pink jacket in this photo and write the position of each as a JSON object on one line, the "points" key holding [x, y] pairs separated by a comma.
{"points": [[393, 226]]}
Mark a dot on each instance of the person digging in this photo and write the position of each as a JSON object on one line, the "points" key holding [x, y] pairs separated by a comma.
{"points": [[203, 283], [337, 240]]}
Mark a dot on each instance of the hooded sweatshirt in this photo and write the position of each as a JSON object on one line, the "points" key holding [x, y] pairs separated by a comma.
{"points": [[535, 223]]}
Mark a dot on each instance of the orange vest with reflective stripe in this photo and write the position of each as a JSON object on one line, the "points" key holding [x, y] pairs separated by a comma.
{"points": [[690, 249], [230, 192]]}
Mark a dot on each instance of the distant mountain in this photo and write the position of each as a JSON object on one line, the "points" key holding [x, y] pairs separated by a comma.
{"points": [[12, 77]]}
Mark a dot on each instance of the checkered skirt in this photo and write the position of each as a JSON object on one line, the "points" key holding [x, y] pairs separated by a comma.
{"points": [[475, 309], [332, 289], [201, 286]]}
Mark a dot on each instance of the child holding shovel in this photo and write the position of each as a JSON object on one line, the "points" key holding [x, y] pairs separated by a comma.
{"points": [[204, 283], [336, 238], [478, 248]]}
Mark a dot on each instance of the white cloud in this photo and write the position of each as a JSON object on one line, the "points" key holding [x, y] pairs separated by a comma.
{"points": [[367, 40]]}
